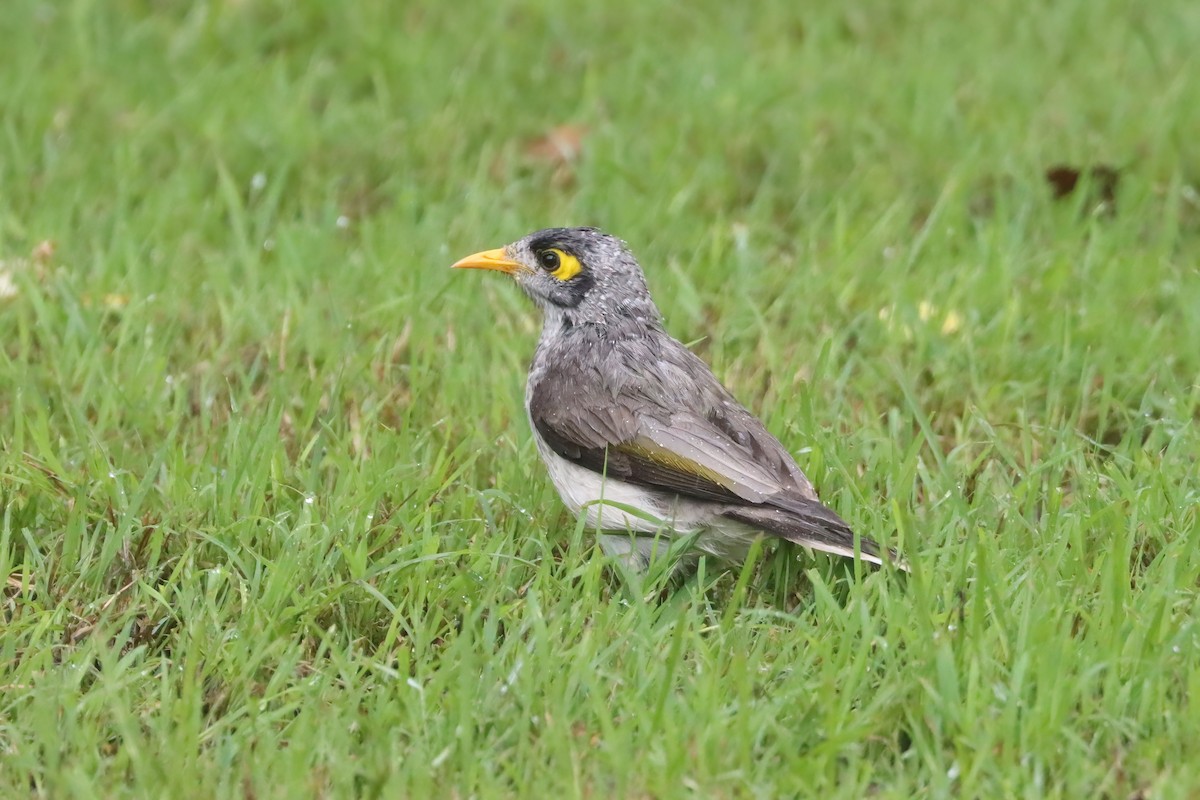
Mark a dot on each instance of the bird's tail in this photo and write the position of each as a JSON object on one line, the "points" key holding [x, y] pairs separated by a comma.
{"points": [[813, 525]]}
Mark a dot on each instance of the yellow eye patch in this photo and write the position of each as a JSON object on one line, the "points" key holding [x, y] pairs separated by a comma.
{"points": [[560, 264]]}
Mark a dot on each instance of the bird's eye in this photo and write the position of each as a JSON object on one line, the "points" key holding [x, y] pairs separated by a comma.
{"points": [[559, 263]]}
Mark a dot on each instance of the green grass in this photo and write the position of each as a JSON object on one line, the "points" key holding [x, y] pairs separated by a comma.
{"points": [[273, 524]]}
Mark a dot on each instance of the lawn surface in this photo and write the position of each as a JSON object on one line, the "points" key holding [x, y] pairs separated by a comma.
{"points": [[273, 525]]}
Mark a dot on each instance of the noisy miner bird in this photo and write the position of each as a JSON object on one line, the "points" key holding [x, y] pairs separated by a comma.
{"points": [[635, 429]]}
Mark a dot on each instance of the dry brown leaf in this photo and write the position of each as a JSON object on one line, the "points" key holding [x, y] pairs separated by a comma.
{"points": [[560, 145], [1102, 181]]}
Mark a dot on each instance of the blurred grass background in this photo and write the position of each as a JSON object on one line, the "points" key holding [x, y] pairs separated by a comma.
{"points": [[273, 525]]}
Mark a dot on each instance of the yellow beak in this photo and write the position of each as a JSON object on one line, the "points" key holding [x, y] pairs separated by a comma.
{"points": [[489, 259]]}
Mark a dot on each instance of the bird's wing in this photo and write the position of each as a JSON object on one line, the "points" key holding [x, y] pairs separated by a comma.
{"points": [[693, 456], [698, 442]]}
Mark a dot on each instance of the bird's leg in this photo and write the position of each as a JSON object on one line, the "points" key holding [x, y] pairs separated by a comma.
{"points": [[639, 555]]}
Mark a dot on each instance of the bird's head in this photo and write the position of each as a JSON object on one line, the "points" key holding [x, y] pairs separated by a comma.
{"points": [[574, 274]]}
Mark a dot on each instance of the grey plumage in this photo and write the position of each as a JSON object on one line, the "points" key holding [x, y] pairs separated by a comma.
{"points": [[623, 412]]}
